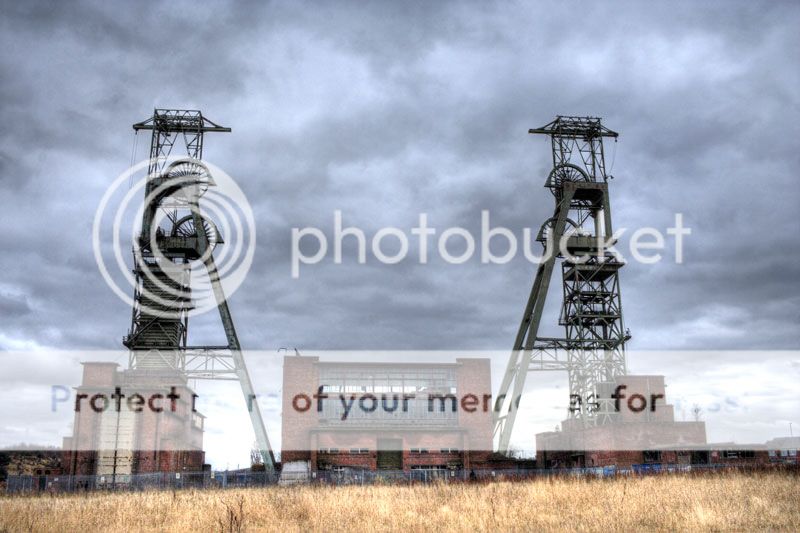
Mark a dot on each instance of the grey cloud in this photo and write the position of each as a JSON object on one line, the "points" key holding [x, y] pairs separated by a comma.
{"points": [[385, 111], [15, 305]]}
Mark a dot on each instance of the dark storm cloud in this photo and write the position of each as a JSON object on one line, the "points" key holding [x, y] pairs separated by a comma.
{"points": [[387, 110], [13, 304]]}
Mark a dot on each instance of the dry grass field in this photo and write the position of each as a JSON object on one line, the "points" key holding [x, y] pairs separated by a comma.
{"points": [[741, 502]]}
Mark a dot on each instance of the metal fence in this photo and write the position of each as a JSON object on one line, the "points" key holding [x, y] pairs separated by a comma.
{"points": [[350, 476], [137, 482], [346, 476]]}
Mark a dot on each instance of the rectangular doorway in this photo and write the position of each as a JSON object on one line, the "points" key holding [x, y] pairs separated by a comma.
{"points": [[390, 454]]}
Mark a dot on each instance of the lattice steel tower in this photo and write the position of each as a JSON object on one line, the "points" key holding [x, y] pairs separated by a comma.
{"points": [[168, 243], [592, 351]]}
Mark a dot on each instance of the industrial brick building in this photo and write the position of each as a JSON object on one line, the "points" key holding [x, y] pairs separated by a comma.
{"points": [[642, 430], [784, 450], [133, 422], [392, 416]]}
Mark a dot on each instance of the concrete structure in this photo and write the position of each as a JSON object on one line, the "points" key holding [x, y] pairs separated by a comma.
{"points": [[389, 416], [642, 430], [133, 422]]}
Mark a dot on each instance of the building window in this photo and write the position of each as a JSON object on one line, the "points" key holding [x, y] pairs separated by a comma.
{"points": [[419, 451], [449, 450], [328, 450], [652, 456], [402, 394], [737, 454], [356, 379], [359, 451]]}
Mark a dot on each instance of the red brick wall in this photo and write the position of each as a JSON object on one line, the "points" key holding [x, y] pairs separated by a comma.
{"points": [[432, 442], [99, 374], [645, 387], [300, 376], [167, 441], [302, 435], [474, 378]]}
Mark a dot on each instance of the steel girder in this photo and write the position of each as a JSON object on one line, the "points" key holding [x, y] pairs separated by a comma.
{"points": [[159, 332], [592, 351]]}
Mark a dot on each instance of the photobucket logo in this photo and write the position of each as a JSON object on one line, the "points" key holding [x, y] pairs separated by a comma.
{"points": [[157, 217], [645, 244]]}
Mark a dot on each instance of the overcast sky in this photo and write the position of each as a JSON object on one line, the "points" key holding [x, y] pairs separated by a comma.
{"points": [[388, 110]]}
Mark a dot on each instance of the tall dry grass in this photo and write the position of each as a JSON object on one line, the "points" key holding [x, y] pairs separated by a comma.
{"points": [[742, 502]]}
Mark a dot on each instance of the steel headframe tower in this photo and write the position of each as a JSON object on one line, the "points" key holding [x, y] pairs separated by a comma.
{"points": [[592, 351], [166, 245]]}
